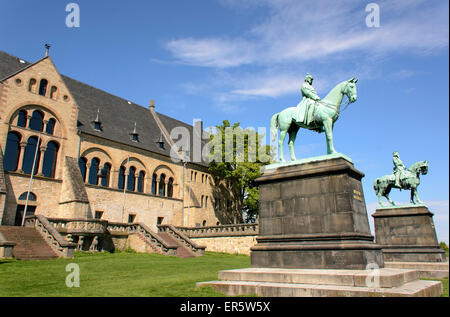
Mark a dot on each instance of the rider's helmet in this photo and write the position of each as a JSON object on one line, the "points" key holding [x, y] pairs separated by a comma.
{"points": [[309, 78], [395, 154]]}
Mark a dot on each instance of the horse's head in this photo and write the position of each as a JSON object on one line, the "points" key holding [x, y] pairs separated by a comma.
{"points": [[350, 89], [420, 167]]}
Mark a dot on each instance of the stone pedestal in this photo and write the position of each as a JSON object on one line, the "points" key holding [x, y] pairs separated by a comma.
{"points": [[313, 215], [407, 234]]}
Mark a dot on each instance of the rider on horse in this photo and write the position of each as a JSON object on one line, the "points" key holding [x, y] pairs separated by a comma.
{"points": [[399, 168], [307, 104]]}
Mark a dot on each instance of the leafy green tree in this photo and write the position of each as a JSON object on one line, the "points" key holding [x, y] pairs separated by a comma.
{"points": [[236, 158]]}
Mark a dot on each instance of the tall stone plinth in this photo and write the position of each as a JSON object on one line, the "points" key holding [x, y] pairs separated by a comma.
{"points": [[407, 234], [313, 215]]}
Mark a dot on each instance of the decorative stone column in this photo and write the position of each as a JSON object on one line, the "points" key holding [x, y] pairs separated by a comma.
{"points": [[21, 155], [42, 149]]}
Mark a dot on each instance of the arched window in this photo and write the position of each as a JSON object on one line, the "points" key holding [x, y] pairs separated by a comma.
{"points": [[201, 203], [50, 156], [121, 182], [29, 154], [93, 171], [106, 172], [204, 223], [154, 184], [37, 121], [32, 85], [53, 92], [12, 151], [82, 163], [140, 183], [22, 119], [43, 87], [162, 185], [50, 128], [206, 201], [31, 197], [170, 188], [131, 181]]}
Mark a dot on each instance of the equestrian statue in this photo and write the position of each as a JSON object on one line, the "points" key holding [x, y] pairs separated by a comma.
{"points": [[312, 113], [401, 178]]}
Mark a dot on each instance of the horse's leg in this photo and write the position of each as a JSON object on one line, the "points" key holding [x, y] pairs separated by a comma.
{"points": [[411, 199], [380, 196], [416, 195], [280, 144], [328, 126], [386, 194], [293, 130]]}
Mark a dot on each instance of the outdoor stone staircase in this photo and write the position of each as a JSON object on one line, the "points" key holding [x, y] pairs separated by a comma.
{"points": [[29, 244], [182, 251]]}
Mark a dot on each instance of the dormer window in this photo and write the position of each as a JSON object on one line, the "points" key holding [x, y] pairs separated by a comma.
{"points": [[97, 123], [134, 135], [160, 142]]}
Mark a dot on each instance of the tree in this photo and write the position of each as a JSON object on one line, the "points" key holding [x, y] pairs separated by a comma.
{"points": [[236, 157]]}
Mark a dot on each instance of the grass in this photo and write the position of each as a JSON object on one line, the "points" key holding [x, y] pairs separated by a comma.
{"points": [[123, 274]]}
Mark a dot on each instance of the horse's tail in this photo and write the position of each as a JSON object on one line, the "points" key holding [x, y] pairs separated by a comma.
{"points": [[274, 126], [376, 185]]}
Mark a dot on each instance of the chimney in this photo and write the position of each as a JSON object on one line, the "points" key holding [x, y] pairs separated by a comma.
{"points": [[152, 105]]}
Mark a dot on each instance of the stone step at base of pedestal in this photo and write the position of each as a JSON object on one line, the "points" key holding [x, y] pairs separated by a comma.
{"points": [[278, 282], [386, 278], [426, 269], [418, 288]]}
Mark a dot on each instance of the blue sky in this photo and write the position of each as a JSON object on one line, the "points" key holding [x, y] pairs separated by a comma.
{"points": [[244, 60]]}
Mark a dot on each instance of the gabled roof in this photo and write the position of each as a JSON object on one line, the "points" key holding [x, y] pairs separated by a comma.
{"points": [[117, 115]]}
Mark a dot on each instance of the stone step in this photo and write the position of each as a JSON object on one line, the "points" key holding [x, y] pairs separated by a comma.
{"points": [[387, 278], [437, 270], [30, 245], [182, 251], [418, 288]]}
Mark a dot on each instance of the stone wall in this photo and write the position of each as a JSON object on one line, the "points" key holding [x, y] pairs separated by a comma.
{"points": [[232, 245]]}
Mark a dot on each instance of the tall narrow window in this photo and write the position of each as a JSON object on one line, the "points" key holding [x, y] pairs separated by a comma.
{"points": [[12, 151], [170, 188], [131, 181], [162, 185], [50, 155], [106, 172], [37, 121], [22, 119], [43, 87], [121, 182], [32, 85], [29, 154], [93, 171], [53, 92], [140, 183], [82, 163], [154, 184], [50, 128]]}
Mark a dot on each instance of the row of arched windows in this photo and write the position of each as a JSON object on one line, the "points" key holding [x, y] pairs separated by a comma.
{"points": [[204, 178], [43, 88], [22, 155], [97, 174], [36, 121]]}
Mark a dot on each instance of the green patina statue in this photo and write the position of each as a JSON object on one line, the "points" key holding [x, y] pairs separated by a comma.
{"points": [[312, 113], [401, 178]]}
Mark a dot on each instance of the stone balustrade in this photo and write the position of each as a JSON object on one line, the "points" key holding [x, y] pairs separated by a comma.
{"points": [[51, 235], [79, 226], [197, 249], [247, 229]]}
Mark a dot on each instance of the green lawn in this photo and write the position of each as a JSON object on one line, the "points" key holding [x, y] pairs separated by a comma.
{"points": [[123, 274]]}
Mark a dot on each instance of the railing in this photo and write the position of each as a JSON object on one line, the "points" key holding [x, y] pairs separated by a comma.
{"points": [[158, 244], [53, 238], [246, 229], [182, 238], [86, 226]]}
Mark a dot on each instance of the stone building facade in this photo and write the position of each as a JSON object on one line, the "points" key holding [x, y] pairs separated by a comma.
{"points": [[95, 155]]}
